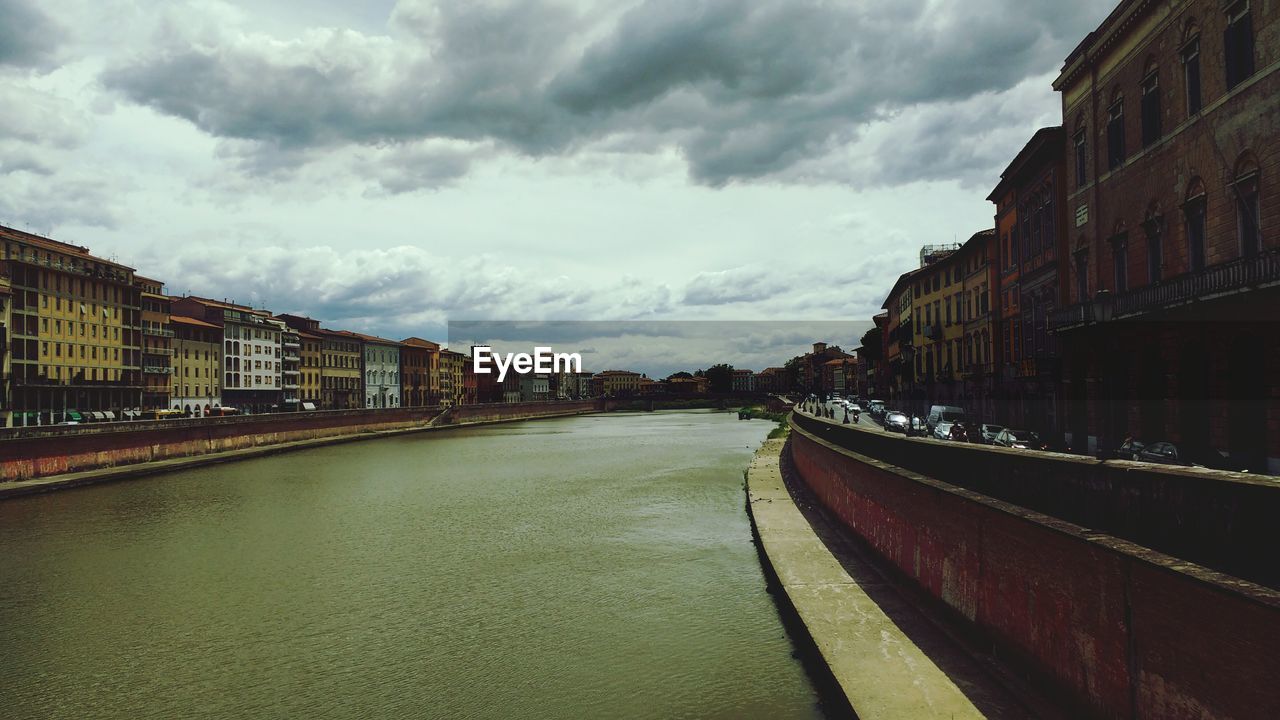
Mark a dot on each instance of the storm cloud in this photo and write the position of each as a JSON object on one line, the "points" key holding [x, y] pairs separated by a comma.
{"points": [[743, 91]]}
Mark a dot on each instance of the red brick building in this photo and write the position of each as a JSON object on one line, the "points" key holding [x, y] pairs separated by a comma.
{"points": [[1029, 212], [1172, 289]]}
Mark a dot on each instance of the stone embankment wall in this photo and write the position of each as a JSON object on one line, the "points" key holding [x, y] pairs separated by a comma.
{"points": [[27, 453], [1107, 626]]}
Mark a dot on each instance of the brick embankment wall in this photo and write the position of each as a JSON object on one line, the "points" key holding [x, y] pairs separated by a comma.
{"points": [[1222, 520], [501, 412], [1110, 628], [27, 453]]}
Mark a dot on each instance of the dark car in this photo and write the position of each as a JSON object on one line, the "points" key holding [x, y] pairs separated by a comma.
{"points": [[895, 421], [986, 433], [876, 408], [1130, 449], [1020, 439], [959, 432], [1167, 453]]}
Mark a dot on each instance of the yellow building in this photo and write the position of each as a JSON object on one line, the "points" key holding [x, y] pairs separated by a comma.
{"points": [[197, 367], [452, 389], [75, 337], [312, 361], [616, 383], [6, 298], [341, 375], [937, 297]]}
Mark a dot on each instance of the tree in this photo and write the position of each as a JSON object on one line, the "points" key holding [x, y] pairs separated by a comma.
{"points": [[872, 345], [720, 378], [682, 375]]}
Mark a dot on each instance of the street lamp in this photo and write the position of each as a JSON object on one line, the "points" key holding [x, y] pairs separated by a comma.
{"points": [[1103, 306], [908, 357]]}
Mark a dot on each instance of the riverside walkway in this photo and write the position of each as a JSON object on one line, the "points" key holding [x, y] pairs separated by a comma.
{"points": [[890, 661]]}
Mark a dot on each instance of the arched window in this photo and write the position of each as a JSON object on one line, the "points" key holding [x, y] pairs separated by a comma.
{"points": [[1193, 211], [1151, 104], [1081, 142], [1115, 130], [1120, 257], [1191, 66], [1153, 228], [1238, 43], [1248, 209]]}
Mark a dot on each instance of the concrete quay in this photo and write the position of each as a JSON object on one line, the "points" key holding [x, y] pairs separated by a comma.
{"points": [[889, 661]]}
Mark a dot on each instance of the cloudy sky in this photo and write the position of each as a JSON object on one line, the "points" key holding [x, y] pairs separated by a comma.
{"points": [[389, 166]]}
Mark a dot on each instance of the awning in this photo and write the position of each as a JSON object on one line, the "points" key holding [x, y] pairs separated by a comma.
{"points": [[97, 415], [73, 415], [109, 415], [308, 406]]}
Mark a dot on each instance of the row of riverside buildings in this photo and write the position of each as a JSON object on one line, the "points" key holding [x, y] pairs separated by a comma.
{"points": [[86, 338], [1130, 286]]}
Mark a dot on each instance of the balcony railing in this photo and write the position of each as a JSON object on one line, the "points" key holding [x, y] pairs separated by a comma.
{"points": [[1236, 276], [290, 386], [933, 331], [158, 332], [157, 370]]}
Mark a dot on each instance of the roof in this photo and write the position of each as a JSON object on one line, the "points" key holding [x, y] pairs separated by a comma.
{"points": [[375, 339], [418, 342], [55, 245], [213, 303], [184, 320], [1046, 143], [902, 279]]}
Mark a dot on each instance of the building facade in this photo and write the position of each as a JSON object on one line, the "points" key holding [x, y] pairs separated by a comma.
{"points": [[1033, 188], [157, 344], [1173, 279], [976, 258], [290, 366], [420, 372], [251, 352], [381, 368], [74, 331], [197, 366], [341, 377], [452, 387]]}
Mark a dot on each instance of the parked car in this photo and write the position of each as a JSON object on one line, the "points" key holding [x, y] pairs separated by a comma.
{"points": [[1167, 453], [1020, 439], [941, 413], [987, 432], [876, 408], [942, 430], [895, 421], [959, 432], [1130, 449]]}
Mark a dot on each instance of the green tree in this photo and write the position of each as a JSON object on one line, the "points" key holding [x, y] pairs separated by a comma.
{"points": [[720, 378]]}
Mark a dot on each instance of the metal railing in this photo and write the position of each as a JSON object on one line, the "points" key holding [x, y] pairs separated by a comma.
{"points": [[1238, 275], [158, 332]]}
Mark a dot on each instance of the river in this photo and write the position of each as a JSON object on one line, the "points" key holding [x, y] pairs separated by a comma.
{"points": [[586, 567]]}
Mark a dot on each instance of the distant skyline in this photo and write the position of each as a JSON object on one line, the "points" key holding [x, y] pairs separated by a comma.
{"points": [[388, 166], [659, 348]]}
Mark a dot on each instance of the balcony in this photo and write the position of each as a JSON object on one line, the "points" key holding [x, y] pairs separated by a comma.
{"points": [[157, 332], [932, 331], [157, 370], [1237, 276], [291, 356], [290, 386], [292, 344], [974, 371]]}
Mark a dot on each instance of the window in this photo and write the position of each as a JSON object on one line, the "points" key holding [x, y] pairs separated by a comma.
{"points": [[1153, 228], [1082, 276], [1120, 259], [1082, 171], [1238, 44], [1191, 74], [1248, 220], [1150, 109], [1115, 133], [1194, 213]]}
